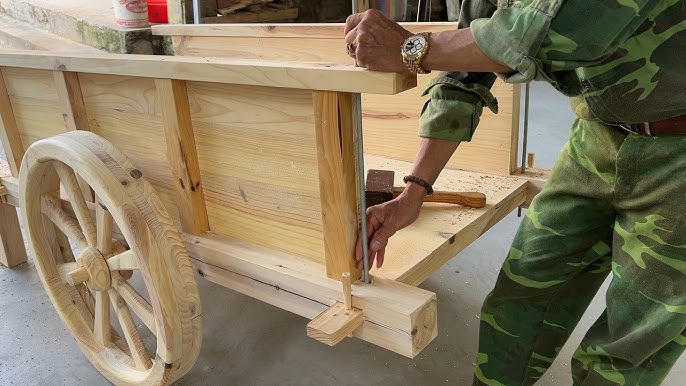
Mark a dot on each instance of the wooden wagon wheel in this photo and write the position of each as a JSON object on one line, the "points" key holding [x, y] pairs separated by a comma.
{"points": [[87, 285]]}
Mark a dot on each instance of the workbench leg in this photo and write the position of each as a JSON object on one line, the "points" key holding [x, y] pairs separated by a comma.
{"points": [[13, 251]]}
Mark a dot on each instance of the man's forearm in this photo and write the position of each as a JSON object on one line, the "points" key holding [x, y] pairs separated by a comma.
{"points": [[457, 51], [431, 158]]}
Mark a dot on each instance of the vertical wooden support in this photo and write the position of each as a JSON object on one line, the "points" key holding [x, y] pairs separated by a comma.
{"points": [[71, 100], [514, 136], [9, 133], [337, 181], [183, 155], [13, 251], [73, 111]]}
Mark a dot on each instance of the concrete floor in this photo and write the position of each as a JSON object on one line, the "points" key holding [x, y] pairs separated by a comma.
{"points": [[247, 342]]}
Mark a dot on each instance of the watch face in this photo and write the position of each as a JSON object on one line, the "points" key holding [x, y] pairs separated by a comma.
{"points": [[415, 44]]}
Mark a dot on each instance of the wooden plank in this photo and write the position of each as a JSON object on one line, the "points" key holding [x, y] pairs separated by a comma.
{"points": [[267, 14], [535, 178], [13, 251], [390, 123], [258, 160], [398, 317], [291, 30], [333, 325], [443, 230], [183, 156], [312, 76], [9, 133], [69, 92], [337, 183]]}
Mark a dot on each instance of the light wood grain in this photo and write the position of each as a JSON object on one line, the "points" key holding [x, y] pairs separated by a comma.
{"points": [[69, 93], [9, 133], [333, 325], [312, 76], [36, 106], [13, 252], [390, 123], [398, 317], [337, 184], [182, 154], [443, 230]]}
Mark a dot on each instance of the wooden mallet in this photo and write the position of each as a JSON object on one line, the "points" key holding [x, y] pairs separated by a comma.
{"points": [[379, 189]]}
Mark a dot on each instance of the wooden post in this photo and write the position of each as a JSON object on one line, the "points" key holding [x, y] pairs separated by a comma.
{"points": [[183, 155], [337, 181], [69, 92], [9, 133], [13, 251]]}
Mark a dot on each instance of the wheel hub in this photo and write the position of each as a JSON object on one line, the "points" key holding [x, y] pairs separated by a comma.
{"points": [[93, 269]]}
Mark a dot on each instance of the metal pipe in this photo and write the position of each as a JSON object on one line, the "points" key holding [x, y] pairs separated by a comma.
{"points": [[196, 11], [355, 7], [357, 112], [525, 139]]}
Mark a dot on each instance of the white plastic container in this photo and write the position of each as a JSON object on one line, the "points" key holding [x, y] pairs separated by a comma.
{"points": [[131, 13]]}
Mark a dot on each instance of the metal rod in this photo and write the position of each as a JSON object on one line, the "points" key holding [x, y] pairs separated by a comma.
{"points": [[355, 7], [525, 139], [196, 11], [423, 11], [357, 112]]}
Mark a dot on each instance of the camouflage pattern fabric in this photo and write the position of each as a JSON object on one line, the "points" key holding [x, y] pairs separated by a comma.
{"points": [[614, 205], [623, 58]]}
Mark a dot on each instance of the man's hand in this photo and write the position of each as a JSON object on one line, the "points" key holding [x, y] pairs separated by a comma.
{"points": [[385, 219], [377, 41]]}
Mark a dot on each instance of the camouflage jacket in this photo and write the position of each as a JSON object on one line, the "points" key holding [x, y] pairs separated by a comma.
{"points": [[621, 61]]}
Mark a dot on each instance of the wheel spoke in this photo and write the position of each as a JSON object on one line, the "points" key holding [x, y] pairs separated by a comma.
{"points": [[51, 234], [65, 269], [53, 210], [104, 222], [78, 201], [102, 326], [133, 338], [124, 261], [65, 247], [135, 301]]}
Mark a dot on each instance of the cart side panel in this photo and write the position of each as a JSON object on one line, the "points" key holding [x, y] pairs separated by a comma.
{"points": [[258, 162], [125, 111], [36, 106]]}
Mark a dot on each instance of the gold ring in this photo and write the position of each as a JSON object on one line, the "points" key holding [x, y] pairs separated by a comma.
{"points": [[350, 48]]}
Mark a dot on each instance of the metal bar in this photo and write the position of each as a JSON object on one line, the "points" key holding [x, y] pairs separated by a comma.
{"points": [[525, 139], [355, 8], [357, 112], [423, 11], [196, 11]]}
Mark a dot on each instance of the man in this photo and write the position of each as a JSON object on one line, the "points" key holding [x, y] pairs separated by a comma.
{"points": [[615, 200]]}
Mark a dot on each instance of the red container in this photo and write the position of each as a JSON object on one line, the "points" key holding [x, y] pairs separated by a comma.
{"points": [[157, 11]]}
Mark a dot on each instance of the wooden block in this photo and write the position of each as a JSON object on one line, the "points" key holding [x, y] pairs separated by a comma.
{"points": [[334, 324], [379, 186], [13, 251], [69, 92]]}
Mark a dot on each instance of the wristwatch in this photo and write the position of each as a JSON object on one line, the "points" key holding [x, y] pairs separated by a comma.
{"points": [[413, 51]]}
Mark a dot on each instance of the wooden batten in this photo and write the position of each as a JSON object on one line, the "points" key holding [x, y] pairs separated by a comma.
{"points": [[337, 182], [9, 133], [397, 316], [183, 155], [310, 76], [535, 178], [69, 92]]}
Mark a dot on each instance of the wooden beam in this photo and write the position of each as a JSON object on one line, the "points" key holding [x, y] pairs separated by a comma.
{"points": [[312, 76], [398, 317], [535, 178], [333, 325], [183, 155], [253, 17], [13, 251], [337, 182], [69, 92], [9, 133]]}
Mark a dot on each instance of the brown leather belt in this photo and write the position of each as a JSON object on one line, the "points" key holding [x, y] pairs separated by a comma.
{"points": [[670, 126]]}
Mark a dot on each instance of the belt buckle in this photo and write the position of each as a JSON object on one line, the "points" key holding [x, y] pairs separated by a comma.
{"points": [[637, 128]]}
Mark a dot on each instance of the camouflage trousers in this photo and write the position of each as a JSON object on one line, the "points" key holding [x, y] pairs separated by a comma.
{"points": [[615, 204]]}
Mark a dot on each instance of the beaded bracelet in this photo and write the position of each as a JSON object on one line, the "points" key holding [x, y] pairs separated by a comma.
{"points": [[419, 181]]}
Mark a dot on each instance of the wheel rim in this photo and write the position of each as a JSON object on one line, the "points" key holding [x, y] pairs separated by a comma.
{"points": [[93, 286]]}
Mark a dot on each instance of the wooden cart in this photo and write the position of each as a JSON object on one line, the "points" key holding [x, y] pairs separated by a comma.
{"points": [[125, 166]]}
